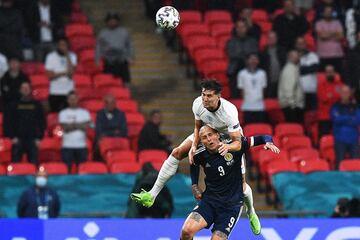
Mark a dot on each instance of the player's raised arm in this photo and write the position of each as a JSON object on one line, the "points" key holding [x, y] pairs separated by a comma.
{"points": [[254, 141]]}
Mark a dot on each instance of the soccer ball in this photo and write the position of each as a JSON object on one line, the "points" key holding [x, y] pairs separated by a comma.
{"points": [[167, 17]]}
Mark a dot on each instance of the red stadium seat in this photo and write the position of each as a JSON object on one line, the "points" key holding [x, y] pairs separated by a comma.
{"points": [[221, 29], [117, 92], [327, 149], [21, 169], [222, 41], [267, 158], [123, 167], [2, 170], [292, 142], [92, 168], [78, 17], [79, 43], [31, 68], [52, 121], [307, 154], [205, 55], [350, 165], [313, 166], [89, 67], [310, 42], [49, 150], [135, 119], [258, 129], [190, 16], [89, 94], [274, 111], [288, 129], [196, 43], [127, 105], [5, 150], [113, 143], [266, 27], [98, 78], [87, 56], [82, 81], [40, 93], [196, 29], [237, 102], [55, 168], [217, 16], [123, 156], [1, 124], [39, 80], [211, 68], [92, 105], [259, 15], [76, 29], [152, 155], [281, 166]]}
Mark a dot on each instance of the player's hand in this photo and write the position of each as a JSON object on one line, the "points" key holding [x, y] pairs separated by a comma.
{"points": [[272, 147], [191, 154], [224, 149], [196, 192]]}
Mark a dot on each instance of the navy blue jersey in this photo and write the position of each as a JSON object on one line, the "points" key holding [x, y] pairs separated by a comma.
{"points": [[223, 179]]}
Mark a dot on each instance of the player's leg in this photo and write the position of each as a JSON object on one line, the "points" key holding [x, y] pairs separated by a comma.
{"points": [[218, 235], [168, 169], [225, 221], [194, 223]]}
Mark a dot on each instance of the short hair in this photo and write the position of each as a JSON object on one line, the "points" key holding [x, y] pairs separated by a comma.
{"points": [[62, 38], [112, 15], [71, 93], [154, 111], [212, 85]]}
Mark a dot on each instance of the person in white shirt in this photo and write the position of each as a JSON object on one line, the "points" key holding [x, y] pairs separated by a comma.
{"points": [[212, 110], [252, 82], [60, 65], [309, 65], [75, 121]]}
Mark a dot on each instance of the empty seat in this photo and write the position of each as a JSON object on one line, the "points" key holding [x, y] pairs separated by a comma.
{"points": [[281, 166], [21, 169], [89, 94], [206, 54], [82, 81], [92, 168], [274, 111], [259, 15], [266, 27], [123, 167], [87, 56], [152, 155], [117, 92], [190, 16], [40, 93], [79, 43], [49, 150], [217, 16], [258, 129], [327, 150], [196, 43], [307, 154], [211, 68], [123, 156], [55, 168], [31, 68], [2, 170], [195, 29], [221, 29], [77, 29], [78, 17], [313, 166], [267, 158], [127, 105], [134, 118], [350, 165], [39, 80], [288, 129], [5, 150], [295, 142], [113, 143], [52, 120], [92, 105]]}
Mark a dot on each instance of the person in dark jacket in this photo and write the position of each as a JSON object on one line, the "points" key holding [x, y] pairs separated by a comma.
{"points": [[24, 123], [353, 67], [11, 81], [43, 22], [150, 136], [39, 201], [289, 25], [345, 116], [110, 121]]}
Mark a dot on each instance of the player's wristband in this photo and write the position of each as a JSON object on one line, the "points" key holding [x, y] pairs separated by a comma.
{"points": [[262, 139], [194, 173]]}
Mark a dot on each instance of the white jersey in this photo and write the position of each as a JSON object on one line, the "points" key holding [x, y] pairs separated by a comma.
{"points": [[225, 119]]}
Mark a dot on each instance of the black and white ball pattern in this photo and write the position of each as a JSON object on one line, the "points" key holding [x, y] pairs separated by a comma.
{"points": [[167, 17]]}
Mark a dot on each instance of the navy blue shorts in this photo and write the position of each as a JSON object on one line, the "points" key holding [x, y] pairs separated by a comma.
{"points": [[221, 217]]}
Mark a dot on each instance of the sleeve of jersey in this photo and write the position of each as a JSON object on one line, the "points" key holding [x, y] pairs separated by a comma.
{"points": [[234, 124], [245, 143], [195, 109]]}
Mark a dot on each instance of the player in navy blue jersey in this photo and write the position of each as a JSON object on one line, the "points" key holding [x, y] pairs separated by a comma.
{"points": [[222, 201]]}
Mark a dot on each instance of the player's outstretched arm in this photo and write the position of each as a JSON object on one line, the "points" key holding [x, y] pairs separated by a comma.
{"points": [[263, 139]]}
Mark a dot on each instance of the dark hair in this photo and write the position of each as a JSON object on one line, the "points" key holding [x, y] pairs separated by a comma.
{"points": [[212, 85], [71, 93], [112, 15], [62, 38], [251, 54], [155, 111]]}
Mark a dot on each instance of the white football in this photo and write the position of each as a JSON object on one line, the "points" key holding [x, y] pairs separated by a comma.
{"points": [[167, 17]]}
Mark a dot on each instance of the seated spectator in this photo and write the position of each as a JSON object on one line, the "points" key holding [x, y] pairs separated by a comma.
{"points": [[150, 136], [330, 33], [39, 201], [289, 25], [110, 121], [11, 29], [115, 46], [337, 11], [252, 82], [43, 23], [60, 66], [341, 209], [309, 64], [353, 67], [272, 60], [291, 95], [254, 29], [75, 121], [345, 116], [237, 48], [24, 123], [11, 82], [327, 95], [163, 206]]}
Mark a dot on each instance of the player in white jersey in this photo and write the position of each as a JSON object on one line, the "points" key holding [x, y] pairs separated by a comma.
{"points": [[220, 114]]}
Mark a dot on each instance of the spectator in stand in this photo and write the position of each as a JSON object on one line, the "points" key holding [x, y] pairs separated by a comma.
{"points": [[309, 64], [75, 121], [327, 95], [341, 209], [252, 81], [110, 121], [39, 201], [3, 65], [115, 46], [150, 136], [11, 82], [329, 33], [237, 48], [345, 116], [289, 25], [60, 65], [43, 23], [11, 29], [269, 5], [337, 11], [352, 24], [304, 5], [254, 29], [291, 95], [24, 124], [353, 68], [272, 60]]}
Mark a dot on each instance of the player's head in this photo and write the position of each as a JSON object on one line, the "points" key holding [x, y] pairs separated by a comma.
{"points": [[210, 94], [210, 138]]}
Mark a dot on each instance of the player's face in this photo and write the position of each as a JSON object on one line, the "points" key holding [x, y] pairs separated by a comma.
{"points": [[210, 139], [210, 100]]}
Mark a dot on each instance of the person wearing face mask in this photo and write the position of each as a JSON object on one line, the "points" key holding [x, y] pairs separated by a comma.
{"points": [[39, 201], [60, 66], [327, 94]]}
